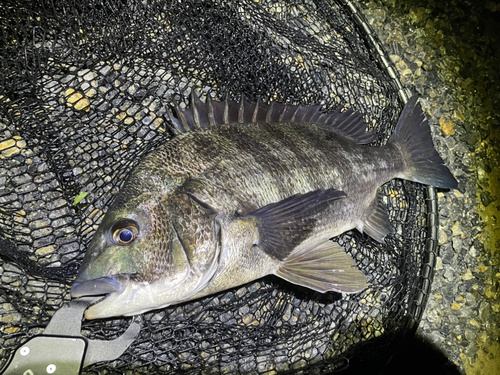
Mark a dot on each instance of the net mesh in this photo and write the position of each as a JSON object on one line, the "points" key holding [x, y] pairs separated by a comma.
{"points": [[84, 89]]}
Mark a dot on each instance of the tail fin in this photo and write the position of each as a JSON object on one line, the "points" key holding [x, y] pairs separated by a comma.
{"points": [[413, 135]]}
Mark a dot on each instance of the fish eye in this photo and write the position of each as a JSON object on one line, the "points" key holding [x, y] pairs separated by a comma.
{"points": [[124, 232]]}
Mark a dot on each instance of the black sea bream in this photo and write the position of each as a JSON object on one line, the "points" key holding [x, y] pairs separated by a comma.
{"points": [[247, 190]]}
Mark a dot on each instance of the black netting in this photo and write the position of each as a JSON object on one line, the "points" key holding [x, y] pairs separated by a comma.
{"points": [[84, 88]]}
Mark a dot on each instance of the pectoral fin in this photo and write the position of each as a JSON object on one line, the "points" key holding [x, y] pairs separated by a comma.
{"points": [[283, 225], [324, 267]]}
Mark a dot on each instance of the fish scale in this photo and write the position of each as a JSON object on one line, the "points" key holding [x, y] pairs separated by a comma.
{"points": [[300, 169]]}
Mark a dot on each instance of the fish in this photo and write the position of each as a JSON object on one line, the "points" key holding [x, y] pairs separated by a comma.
{"points": [[246, 190]]}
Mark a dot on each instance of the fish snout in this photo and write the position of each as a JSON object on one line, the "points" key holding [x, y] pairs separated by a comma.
{"points": [[95, 287]]}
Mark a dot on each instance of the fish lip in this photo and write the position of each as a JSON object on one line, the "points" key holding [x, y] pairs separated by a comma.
{"points": [[113, 287], [100, 286]]}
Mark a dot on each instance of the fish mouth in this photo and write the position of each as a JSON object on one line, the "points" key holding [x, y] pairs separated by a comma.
{"points": [[113, 287], [96, 287]]}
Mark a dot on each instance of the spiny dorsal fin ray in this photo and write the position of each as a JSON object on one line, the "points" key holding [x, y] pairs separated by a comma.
{"points": [[213, 112], [274, 112], [323, 267], [174, 124], [211, 115], [217, 108], [262, 112], [200, 111], [231, 111], [285, 224]]}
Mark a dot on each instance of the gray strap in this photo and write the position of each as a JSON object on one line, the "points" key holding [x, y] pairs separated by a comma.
{"points": [[101, 350]]}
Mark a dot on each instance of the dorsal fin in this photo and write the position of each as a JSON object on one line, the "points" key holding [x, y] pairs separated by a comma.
{"points": [[213, 112]]}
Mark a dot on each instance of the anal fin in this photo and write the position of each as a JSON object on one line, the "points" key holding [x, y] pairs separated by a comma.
{"points": [[377, 224], [324, 267]]}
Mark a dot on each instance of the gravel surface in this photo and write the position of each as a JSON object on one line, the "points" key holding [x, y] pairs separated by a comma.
{"points": [[447, 53]]}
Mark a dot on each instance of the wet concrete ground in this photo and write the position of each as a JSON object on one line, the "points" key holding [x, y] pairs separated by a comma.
{"points": [[448, 53]]}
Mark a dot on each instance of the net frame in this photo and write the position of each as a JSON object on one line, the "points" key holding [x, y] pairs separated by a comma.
{"points": [[42, 246]]}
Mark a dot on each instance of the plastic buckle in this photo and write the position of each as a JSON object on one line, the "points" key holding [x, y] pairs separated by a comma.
{"points": [[62, 349]]}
